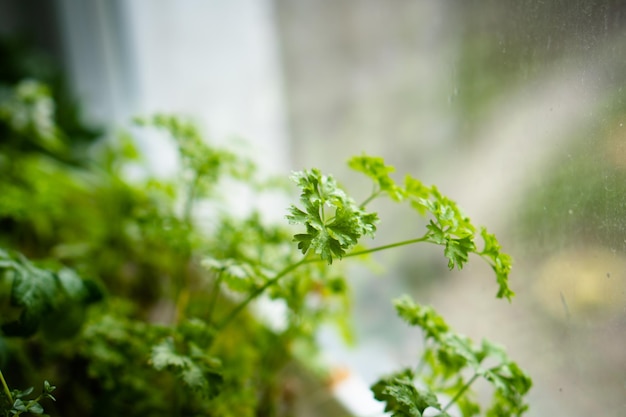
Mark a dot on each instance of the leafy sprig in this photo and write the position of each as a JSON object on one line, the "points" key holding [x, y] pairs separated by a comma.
{"points": [[334, 222], [202, 165], [448, 356], [375, 168], [15, 402], [334, 225]]}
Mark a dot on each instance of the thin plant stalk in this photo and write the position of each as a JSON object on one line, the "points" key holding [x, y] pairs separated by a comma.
{"points": [[461, 392], [420, 366], [7, 391], [260, 291], [373, 196], [214, 296]]}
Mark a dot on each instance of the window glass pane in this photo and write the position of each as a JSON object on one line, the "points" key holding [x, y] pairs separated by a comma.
{"points": [[516, 110]]}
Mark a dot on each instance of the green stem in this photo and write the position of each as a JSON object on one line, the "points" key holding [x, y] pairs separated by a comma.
{"points": [[306, 260], [260, 291], [191, 197], [420, 366], [372, 196], [461, 392], [214, 295], [385, 247], [7, 391]]}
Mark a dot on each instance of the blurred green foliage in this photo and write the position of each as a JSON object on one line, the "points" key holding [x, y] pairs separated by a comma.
{"points": [[148, 344]]}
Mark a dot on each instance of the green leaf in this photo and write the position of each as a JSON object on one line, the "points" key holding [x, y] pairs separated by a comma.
{"points": [[34, 291], [511, 384], [457, 251], [417, 192], [34, 407], [24, 393], [334, 223], [48, 389], [55, 299], [164, 356], [453, 230], [500, 262], [375, 168], [29, 110], [196, 372], [433, 325], [19, 405], [205, 164], [198, 333], [402, 397]]}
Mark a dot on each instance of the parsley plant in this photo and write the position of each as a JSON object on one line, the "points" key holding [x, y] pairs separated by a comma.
{"points": [[162, 325]]}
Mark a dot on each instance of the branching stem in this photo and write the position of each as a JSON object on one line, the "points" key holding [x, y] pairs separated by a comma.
{"points": [[385, 247], [372, 196], [260, 291], [420, 366], [303, 261]]}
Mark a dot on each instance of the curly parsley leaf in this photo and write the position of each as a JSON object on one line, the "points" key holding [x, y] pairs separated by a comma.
{"points": [[194, 370], [402, 397], [433, 325], [334, 223], [500, 262], [450, 228], [375, 168]]}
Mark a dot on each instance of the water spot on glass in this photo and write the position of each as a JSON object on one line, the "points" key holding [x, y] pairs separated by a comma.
{"points": [[570, 211]]}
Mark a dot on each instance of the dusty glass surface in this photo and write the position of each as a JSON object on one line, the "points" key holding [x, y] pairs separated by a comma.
{"points": [[516, 110]]}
